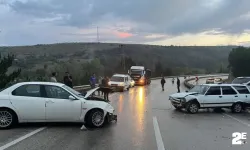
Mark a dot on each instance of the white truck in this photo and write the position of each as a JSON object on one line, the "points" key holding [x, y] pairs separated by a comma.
{"points": [[140, 75]]}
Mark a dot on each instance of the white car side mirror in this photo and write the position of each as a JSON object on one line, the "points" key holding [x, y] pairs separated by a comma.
{"points": [[72, 97]]}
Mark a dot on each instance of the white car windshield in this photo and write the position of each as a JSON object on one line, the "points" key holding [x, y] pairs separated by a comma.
{"points": [[133, 71], [76, 93], [117, 79], [240, 80], [201, 89]]}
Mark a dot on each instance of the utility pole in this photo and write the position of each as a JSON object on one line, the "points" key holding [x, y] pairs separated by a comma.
{"points": [[97, 34]]}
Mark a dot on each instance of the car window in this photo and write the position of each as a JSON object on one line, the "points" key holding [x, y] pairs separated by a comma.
{"points": [[241, 80], [28, 90], [228, 90], [56, 92], [242, 89], [214, 90], [248, 84]]}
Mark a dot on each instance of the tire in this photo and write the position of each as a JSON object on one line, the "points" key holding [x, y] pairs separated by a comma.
{"points": [[7, 118], [192, 107], [237, 108], [96, 119]]}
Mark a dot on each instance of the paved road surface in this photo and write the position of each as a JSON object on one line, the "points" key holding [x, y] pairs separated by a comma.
{"points": [[146, 121]]}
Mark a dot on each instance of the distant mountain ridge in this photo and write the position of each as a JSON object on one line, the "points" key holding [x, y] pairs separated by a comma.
{"points": [[202, 57]]}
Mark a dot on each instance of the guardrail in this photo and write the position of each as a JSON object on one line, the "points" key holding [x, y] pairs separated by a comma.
{"points": [[87, 87], [189, 85]]}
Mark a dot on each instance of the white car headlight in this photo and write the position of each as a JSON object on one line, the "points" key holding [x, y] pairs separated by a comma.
{"points": [[121, 84]]}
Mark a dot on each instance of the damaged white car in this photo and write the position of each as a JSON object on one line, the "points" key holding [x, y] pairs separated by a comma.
{"points": [[52, 102]]}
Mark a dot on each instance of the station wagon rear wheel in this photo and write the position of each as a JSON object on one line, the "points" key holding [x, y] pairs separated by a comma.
{"points": [[237, 108], [7, 119]]}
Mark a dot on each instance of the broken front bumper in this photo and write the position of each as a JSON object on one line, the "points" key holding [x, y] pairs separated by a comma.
{"points": [[111, 117]]}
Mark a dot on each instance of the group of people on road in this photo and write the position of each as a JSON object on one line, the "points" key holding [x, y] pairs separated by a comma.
{"points": [[163, 81], [67, 79], [102, 83]]}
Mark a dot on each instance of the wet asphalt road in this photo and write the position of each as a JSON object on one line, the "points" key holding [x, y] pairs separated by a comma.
{"points": [[137, 130]]}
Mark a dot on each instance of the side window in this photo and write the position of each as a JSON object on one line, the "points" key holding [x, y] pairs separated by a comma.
{"points": [[27, 90], [228, 90], [56, 92], [214, 90], [242, 89], [248, 84]]}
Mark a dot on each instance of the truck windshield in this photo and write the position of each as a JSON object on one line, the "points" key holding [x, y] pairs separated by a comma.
{"points": [[201, 89], [133, 71], [117, 79], [241, 80]]}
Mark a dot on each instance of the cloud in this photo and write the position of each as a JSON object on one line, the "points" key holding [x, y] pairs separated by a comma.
{"points": [[129, 20], [123, 34]]}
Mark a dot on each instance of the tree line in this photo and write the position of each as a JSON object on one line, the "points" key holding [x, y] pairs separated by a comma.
{"points": [[239, 61]]}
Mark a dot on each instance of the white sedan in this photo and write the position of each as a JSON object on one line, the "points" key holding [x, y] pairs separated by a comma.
{"points": [[52, 102]]}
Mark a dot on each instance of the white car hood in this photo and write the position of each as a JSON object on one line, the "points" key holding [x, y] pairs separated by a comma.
{"points": [[181, 95], [90, 92]]}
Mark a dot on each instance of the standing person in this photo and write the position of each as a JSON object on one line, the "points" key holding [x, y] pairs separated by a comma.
{"points": [[178, 84], [163, 81], [68, 80], [53, 77], [106, 88], [92, 81]]}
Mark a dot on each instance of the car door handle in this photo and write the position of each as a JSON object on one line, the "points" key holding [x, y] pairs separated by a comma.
{"points": [[50, 101], [220, 96], [236, 96]]}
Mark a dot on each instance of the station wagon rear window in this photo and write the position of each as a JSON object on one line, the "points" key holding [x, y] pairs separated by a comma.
{"points": [[242, 89], [240, 80]]}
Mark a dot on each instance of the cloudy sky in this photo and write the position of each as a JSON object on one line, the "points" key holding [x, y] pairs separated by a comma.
{"points": [[161, 22]]}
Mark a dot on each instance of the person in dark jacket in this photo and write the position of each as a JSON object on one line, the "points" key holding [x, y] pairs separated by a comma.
{"points": [[178, 84], [163, 81], [105, 88], [68, 80]]}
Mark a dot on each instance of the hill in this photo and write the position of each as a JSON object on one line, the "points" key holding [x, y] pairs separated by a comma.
{"points": [[109, 56]]}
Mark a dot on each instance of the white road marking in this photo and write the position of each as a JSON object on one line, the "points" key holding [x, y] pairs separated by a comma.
{"points": [[240, 121], [21, 138], [158, 137]]}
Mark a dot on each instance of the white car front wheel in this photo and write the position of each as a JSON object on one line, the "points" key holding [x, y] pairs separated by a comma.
{"points": [[193, 107], [96, 118]]}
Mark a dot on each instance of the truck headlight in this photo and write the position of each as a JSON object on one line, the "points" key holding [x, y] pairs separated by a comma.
{"points": [[108, 83]]}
